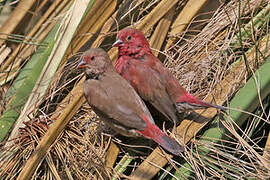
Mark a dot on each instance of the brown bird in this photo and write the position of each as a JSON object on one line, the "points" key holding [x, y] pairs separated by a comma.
{"points": [[117, 103]]}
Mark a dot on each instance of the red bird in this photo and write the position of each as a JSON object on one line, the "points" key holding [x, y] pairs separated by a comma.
{"points": [[117, 103], [153, 81]]}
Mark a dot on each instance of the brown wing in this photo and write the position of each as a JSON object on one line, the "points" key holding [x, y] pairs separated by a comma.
{"points": [[115, 99]]}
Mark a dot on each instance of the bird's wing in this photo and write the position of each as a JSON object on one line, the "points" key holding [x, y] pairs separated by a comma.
{"points": [[115, 99], [151, 88], [172, 85]]}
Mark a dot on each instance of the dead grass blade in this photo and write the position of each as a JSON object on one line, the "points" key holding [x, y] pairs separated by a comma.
{"points": [[4, 52], [111, 155], [160, 33], [185, 17], [102, 10], [15, 18], [156, 14]]}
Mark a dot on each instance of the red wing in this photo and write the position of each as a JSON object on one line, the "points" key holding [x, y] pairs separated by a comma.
{"points": [[150, 87]]}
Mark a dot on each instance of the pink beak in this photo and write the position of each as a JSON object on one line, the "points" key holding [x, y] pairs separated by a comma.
{"points": [[118, 43], [81, 64]]}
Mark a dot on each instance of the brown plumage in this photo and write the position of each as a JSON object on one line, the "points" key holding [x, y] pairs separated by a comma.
{"points": [[117, 103]]}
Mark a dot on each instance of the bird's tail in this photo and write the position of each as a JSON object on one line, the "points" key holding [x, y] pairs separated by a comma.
{"points": [[168, 143], [213, 105], [189, 102]]}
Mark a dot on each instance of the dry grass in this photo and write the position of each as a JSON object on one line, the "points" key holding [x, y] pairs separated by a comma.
{"points": [[79, 151], [200, 59]]}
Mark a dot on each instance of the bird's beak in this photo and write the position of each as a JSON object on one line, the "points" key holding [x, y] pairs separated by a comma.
{"points": [[118, 43], [81, 64]]}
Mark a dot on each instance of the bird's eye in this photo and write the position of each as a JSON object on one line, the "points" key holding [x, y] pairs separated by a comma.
{"points": [[92, 58], [129, 38]]}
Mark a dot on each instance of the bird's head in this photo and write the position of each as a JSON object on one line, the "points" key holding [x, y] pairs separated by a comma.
{"points": [[95, 62], [132, 40]]}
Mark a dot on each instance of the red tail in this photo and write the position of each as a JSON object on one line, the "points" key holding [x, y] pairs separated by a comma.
{"points": [[153, 132]]}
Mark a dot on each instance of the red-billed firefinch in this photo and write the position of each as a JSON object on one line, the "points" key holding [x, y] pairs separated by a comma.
{"points": [[153, 81]]}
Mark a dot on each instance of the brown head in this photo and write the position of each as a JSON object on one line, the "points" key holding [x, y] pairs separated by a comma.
{"points": [[131, 41], [95, 62]]}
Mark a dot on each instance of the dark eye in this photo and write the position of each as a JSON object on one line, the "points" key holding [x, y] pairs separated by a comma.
{"points": [[92, 58], [129, 38]]}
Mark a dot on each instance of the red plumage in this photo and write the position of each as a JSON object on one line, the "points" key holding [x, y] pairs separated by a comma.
{"points": [[151, 79]]}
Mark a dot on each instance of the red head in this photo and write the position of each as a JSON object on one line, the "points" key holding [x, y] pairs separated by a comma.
{"points": [[131, 41]]}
